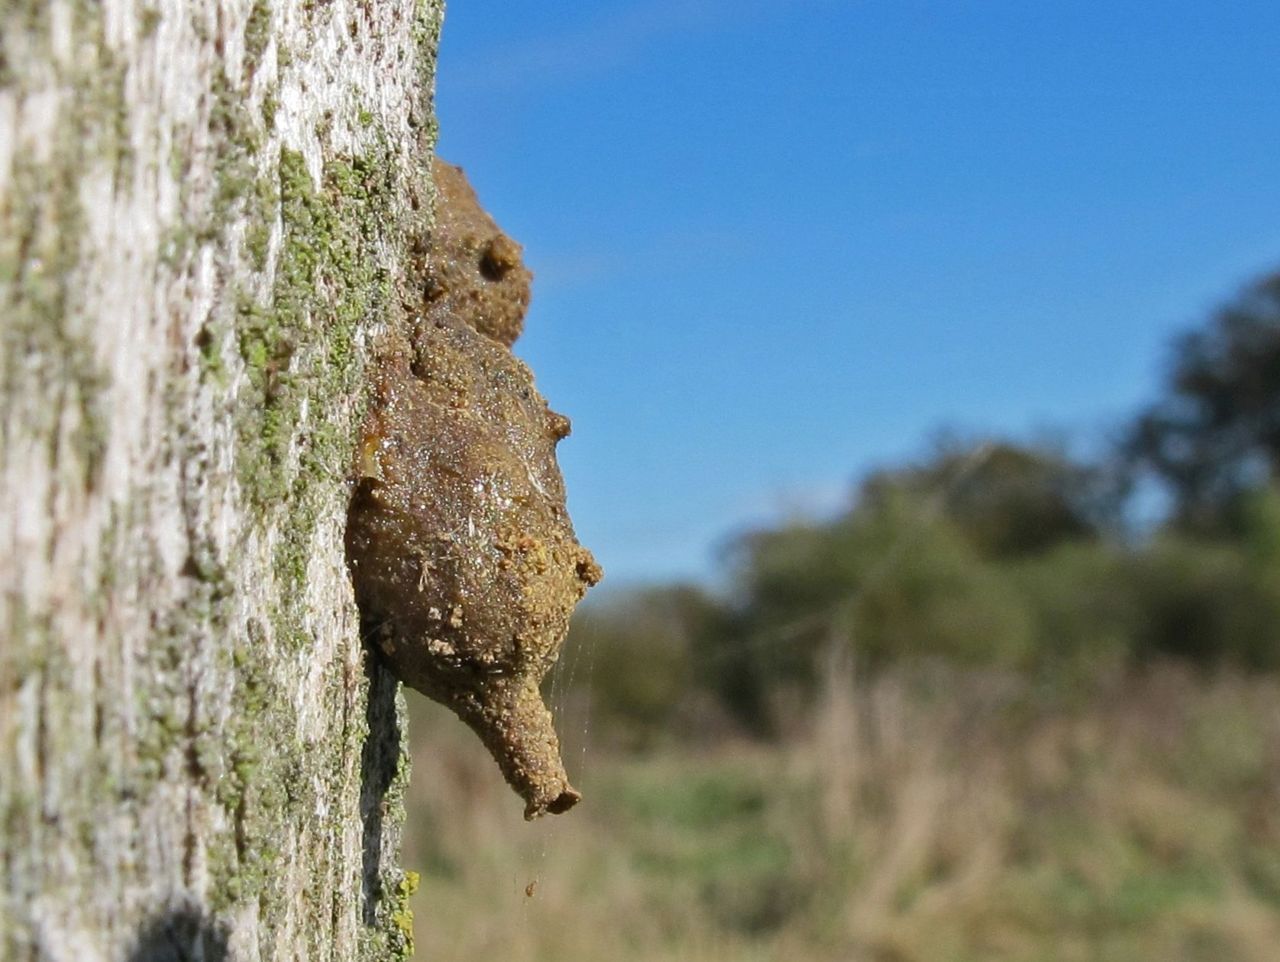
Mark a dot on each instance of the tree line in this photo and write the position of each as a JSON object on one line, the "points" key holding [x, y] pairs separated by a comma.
{"points": [[992, 553]]}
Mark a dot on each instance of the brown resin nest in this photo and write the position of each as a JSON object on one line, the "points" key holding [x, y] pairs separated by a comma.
{"points": [[474, 270], [463, 557]]}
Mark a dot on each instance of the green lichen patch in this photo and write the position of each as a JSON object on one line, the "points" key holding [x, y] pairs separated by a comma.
{"points": [[402, 915], [299, 353], [427, 22], [47, 347], [258, 748], [299, 350], [326, 244], [257, 31]]}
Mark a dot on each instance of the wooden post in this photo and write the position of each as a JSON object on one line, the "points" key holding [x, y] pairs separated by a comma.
{"points": [[207, 210]]}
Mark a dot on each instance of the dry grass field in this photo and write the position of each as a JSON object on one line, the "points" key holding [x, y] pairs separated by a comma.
{"points": [[933, 817]]}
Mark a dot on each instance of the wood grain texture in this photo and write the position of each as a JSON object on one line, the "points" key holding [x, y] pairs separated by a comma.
{"points": [[206, 215]]}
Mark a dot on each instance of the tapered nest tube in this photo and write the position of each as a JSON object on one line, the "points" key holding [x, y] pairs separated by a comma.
{"points": [[461, 550], [515, 725]]}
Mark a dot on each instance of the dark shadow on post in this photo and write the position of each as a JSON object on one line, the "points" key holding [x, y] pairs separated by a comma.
{"points": [[182, 934], [379, 761]]}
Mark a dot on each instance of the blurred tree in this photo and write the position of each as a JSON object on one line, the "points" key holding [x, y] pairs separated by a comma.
{"points": [[1083, 609], [1008, 500], [1216, 434], [995, 553], [652, 651], [1203, 603], [893, 578], [1260, 534]]}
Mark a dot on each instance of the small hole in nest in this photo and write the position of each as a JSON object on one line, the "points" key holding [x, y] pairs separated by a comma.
{"points": [[498, 257]]}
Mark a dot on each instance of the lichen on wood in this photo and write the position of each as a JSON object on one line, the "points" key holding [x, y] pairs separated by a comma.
{"points": [[207, 213]]}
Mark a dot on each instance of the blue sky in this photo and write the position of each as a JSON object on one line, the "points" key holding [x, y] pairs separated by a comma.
{"points": [[776, 244]]}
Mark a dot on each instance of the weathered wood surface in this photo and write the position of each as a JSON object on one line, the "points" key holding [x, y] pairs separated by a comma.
{"points": [[206, 212]]}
